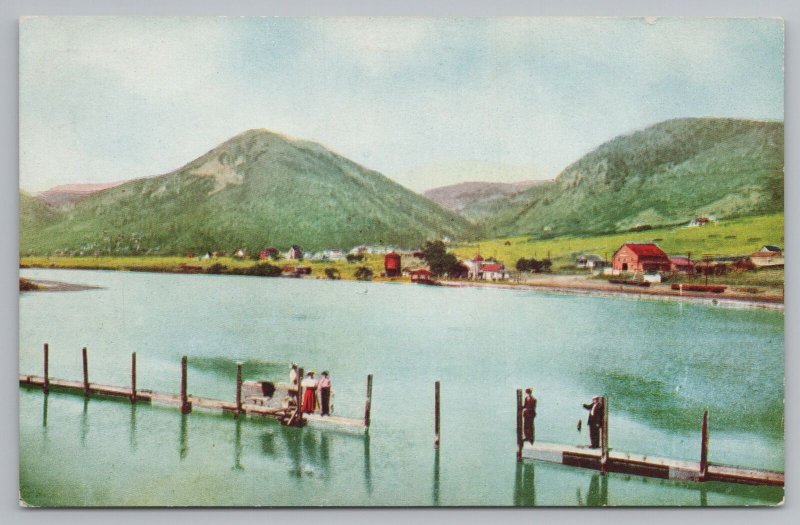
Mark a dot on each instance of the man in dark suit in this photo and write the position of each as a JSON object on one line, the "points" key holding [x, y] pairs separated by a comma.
{"points": [[595, 420]]}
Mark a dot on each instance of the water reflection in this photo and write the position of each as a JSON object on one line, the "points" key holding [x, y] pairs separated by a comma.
{"points": [[84, 421], [44, 411], [597, 496], [524, 485], [133, 426], [367, 466], [184, 436], [436, 478], [237, 446]]}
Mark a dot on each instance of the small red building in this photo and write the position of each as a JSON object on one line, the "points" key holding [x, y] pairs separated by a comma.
{"points": [[640, 257], [391, 263]]}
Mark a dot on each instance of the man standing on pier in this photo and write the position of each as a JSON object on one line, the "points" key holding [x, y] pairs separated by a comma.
{"points": [[595, 420], [324, 386], [528, 413]]}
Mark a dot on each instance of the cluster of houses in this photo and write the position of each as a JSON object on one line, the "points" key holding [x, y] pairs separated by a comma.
{"points": [[475, 268], [648, 258]]}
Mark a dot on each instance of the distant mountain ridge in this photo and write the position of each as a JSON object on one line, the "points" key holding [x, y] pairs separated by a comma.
{"points": [[665, 174], [473, 200], [72, 193], [258, 189]]}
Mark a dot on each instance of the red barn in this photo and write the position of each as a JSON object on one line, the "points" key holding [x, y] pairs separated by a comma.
{"points": [[640, 257], [391, 263]]}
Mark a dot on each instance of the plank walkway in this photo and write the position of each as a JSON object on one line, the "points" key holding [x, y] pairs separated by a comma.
{"points": [[160, 398], [649, 466]]}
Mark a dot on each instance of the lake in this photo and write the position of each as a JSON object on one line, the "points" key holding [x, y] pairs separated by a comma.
{"points": [[660, 362]]}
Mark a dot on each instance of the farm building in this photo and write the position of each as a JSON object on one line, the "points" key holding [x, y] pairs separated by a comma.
{"points": [[640, 257], [391, 264], [294, 253], [766, 257], [681, 264], [494, 271], [590, 261], [474, 266]]}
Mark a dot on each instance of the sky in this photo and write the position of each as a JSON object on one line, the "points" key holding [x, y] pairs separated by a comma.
{"points": [[113, 98]]}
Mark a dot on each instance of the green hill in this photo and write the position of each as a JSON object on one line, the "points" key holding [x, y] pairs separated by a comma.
{"points": [[257, 189], [666, 174]]}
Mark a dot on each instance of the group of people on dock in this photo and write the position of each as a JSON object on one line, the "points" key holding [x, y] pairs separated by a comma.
{"points": [[595, 420], [316, 393]]}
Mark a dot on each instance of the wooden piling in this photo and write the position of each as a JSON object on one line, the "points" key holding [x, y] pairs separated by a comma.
{"points": [[519, 424], [300, 375], [85, 373], [186, 407], [238, 389], [46, 383], [368, 404], [704, 448], [604, 438], [133, 377], [436, 416]]}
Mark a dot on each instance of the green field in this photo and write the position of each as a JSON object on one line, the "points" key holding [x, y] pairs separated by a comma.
{"points": [[724, 238], [173, 264]]}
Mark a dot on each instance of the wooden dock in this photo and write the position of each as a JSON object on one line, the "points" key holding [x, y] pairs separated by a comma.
{"points": [[648, 466], [279, 401], [605, 459], [160, 398]]}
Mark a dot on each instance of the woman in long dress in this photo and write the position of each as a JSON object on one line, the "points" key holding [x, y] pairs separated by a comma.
{"points": [[309, 385]]}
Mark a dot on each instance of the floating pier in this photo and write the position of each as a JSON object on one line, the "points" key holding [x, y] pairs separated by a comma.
{"points": [[604, 459], [255, 398]]}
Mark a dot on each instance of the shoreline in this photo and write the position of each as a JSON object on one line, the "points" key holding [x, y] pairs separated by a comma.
{"points": [[567, 284], [43, 285], [731, 299]]}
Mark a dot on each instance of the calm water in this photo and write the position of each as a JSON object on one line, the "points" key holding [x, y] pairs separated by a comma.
{"points": [[660, 363]]}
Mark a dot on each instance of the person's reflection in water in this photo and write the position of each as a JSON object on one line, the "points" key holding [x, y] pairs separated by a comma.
{"points": [[324, 455], [184, 436], [598, 492], [237, 446], [525, 485], [436, 478]]}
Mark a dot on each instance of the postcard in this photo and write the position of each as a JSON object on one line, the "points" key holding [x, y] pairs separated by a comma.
{"points": [[379, 261]]}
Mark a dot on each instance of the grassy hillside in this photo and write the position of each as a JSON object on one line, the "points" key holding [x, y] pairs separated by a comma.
{"points": [[258, 189], [732, 237], [665, 174]]}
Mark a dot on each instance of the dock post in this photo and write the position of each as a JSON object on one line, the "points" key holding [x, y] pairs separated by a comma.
{"points": [[85, 373], [46, 382], [604, 438], [133, 377], [519, 424], [300, 374], [368, 404], [186, 407], [436, 416], [238, 389], [704, 448]]}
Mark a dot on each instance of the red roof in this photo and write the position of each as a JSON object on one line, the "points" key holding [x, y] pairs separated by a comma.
{"points": [[421, 271], [766, 254], [477, 258], [681, 261], [492, 267], [645, 249]]}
